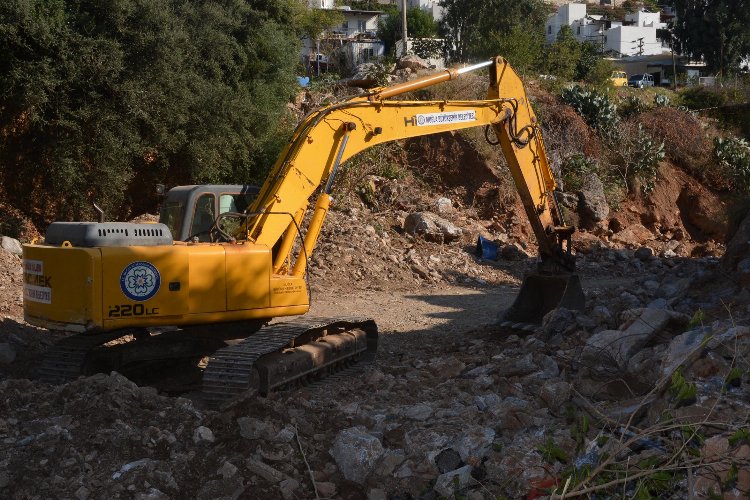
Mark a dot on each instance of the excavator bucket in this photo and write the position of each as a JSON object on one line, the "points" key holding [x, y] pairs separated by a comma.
{"points": [[540, 293]]}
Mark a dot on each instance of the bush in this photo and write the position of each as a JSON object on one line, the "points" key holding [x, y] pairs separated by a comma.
{"points": [[99, 101], [633, 105], [700, 97], [575, 169], [644, 163], [595, 107], [733, 155], [661, 100], [685, 142], [639, 156]]}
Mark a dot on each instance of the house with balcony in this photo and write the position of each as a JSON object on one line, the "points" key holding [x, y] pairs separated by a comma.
{"points": [[345, 46]]}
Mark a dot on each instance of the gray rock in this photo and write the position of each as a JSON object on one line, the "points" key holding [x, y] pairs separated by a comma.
{"points": [[4, 479], [448, 460], [443, 206], [326, 489], [388, 463], [418, 412], [446, 367], [377, 494], [680, 347], [264, 470], [557, 322], [668, 254], [431, 227], [227, 470], [285, 435], [474, 443], [225, 489], [602, 314], [517, 366], [252, 428], [449, 483], [356, 452], [150, 494], [644, 253], [203, 435], [657, 304], [7, 353], [592, 204], [487, 401], [612, 349], [567, 200], [288, 488], [555, 394], [11, 245]]}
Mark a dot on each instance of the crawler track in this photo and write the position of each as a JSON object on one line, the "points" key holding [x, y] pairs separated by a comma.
{"points": [[258, 362], [66, 358]]}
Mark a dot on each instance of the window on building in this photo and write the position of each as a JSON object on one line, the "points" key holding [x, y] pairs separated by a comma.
{"points": [[549, 30], [345, 25], [578, 30], [362, 25], [368, 54]]}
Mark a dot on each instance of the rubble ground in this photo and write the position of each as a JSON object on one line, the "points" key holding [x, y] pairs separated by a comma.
{"points": [[644, 393]]}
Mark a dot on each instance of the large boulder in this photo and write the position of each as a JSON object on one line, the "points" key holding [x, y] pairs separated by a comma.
{"points": [[356, 453], [703, 213], [412, 62], [592, 204], [431, 227], [738, 247], [11, 245], [610, 350], [634, 235]]}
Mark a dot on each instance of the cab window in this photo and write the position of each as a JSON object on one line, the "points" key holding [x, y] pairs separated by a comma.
{"points": [[171, 215], [235, 203], [203, 217]]}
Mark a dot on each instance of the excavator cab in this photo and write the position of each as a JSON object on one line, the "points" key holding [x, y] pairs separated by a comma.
{"points": [[191, 211]]}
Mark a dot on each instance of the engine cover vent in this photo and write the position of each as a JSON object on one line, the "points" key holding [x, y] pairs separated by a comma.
{"points": [[108, 234]]}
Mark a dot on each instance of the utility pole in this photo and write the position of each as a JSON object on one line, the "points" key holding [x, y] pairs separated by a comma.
{"points": [[640, 46], [403, 27], [674, 64]]}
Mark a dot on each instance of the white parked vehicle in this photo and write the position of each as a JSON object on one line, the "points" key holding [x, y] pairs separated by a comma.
{"points": [[641, 81]]}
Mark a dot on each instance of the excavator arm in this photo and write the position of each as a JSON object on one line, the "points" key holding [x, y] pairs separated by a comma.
{"points": [[330, 136]]}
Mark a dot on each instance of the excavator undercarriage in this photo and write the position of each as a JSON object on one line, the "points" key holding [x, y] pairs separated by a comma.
{"points": [[246, 357]]}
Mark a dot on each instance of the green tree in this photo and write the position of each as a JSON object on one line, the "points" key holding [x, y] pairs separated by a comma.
{"points": [[561, 57], [474, 28], [419, 24], [718, 31], [100, 99]]}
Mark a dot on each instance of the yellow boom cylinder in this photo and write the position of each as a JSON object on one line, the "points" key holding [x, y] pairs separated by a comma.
{"points": [[288, 241], [321, 209]]}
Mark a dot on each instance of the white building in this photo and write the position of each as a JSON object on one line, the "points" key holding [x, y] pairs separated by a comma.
{"points": [[351, 43], [636, 36], [431, 6]]}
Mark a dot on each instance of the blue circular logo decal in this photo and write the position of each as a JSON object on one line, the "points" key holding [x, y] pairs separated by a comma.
{"points": [[140, 281]]}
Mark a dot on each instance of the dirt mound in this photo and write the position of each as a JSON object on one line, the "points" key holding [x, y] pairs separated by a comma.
{"points": [[680, 212], [11, 285]]}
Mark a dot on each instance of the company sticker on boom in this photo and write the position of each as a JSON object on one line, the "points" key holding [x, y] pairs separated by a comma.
{"points": [[448, 117], [140, 281]]}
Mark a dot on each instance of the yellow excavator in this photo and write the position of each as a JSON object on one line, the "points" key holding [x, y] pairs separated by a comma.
{"points": [[133, 293]]}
